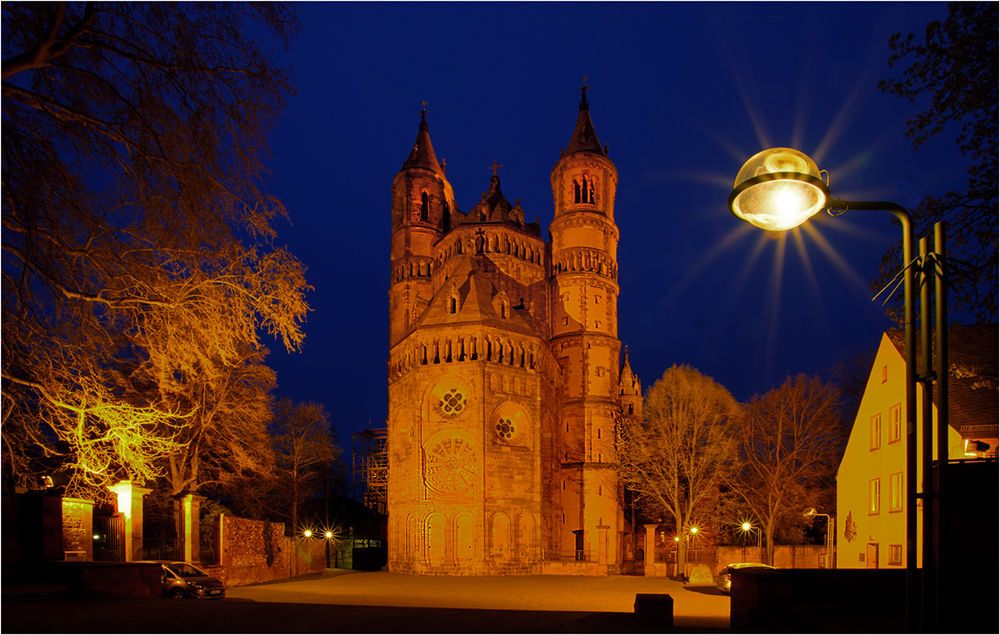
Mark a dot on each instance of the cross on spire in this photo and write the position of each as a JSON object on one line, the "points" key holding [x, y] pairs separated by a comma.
{"points": [[423, 112], [496, 166]]}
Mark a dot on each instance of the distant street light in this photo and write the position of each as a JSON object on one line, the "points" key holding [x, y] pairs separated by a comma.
{"points": [[781, 188], [748, 528]]}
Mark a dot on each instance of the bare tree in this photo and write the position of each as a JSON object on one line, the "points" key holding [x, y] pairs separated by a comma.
{"points": [[955, 70], [682, 450], [790, 442], [137, 232], [303, 444]]}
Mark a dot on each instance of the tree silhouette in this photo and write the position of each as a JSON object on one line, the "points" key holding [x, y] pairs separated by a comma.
{"points": [[956, 66], [138, 237]]}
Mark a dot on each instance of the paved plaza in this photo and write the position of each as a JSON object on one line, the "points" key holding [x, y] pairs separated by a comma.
{"points": [[340, 601]]}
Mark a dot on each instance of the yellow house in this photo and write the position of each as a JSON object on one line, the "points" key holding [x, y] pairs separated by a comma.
{"points": [[871, 481]]}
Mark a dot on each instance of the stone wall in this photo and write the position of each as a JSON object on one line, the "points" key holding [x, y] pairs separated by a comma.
{"points": [[255, 551], [785, 556]]}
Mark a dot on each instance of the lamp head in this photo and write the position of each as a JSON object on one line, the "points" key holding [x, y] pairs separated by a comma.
{"points": [[778, 189], [809, 512]]}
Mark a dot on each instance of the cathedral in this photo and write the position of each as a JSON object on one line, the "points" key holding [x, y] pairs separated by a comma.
{"points": [[504, 372]]}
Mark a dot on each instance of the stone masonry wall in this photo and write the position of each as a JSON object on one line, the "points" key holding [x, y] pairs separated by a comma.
{"points": [[255, 551]]}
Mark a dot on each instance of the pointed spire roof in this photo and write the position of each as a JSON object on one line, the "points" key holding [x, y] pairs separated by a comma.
{"points": [[584, 137], [627, 381], [422, 155]]}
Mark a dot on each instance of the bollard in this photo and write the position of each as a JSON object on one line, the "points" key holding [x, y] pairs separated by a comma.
{"points": [[654, 610]]}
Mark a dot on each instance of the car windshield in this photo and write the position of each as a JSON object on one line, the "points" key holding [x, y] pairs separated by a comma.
{"points": [[184, 570]]}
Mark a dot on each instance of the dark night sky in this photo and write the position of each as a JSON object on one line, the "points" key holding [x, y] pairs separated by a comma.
{"points": [[683, 94]]}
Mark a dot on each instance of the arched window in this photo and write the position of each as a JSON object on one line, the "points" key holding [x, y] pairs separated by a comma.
{"points": [[576, 191], [424, 206]]}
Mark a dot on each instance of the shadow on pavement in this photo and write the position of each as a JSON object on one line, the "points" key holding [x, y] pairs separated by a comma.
{"points": [[158, 615]]}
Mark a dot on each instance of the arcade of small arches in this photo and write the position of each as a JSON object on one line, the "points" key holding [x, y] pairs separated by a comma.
{"points": [[442, 541], [586, 260], [491, 241], [461, 348]]}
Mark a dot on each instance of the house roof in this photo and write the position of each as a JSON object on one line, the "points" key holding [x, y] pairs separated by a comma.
{"points": [[972, 379]]}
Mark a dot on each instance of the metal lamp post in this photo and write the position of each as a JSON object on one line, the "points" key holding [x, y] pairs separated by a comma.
{"points": [[781, 188], [831, 527]]}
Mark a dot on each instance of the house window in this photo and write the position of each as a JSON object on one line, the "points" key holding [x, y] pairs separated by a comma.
{"points": [[896, 423], [424, 205], [874, 495], [885, 373], [896, 492], [876, 431], [896, 554]]}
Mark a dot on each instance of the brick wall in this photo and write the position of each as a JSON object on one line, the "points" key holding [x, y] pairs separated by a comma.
{"points": [[255, 551]]}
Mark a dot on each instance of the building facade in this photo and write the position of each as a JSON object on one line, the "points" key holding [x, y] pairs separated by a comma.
{"points": [[871, 479], [504, 371]]}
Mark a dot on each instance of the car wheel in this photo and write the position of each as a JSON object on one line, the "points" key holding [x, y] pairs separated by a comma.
{"points": [[177, 593]]}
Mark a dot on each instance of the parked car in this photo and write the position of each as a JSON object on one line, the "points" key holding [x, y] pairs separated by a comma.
{"points": [[184, 580], [724, 580]]}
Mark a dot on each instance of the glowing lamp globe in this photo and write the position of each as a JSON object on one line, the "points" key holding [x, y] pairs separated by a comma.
{"points": [[778, 189]]}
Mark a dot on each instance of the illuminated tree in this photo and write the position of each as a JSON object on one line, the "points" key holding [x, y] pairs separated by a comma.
{"points": [[136, 231], [303, 445], [682, 450], [790, 441], [956, 67]]}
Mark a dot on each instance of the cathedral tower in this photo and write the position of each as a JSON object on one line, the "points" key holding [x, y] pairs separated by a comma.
{"points": [[422, 204], [585, 341]]}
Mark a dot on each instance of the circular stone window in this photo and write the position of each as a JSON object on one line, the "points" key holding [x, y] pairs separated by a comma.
{"points": [[505, 429], [452, 403], [508, 424]]}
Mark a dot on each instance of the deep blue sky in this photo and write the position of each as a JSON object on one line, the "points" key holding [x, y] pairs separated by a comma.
{"points": [[682, 93]]}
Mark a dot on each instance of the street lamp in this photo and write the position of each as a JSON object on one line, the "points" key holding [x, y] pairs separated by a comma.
{"points": [[781, 188], [831, 528], [748, 528]]}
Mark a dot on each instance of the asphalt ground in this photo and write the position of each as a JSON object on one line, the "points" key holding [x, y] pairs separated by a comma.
{"points": [[342, 601]]}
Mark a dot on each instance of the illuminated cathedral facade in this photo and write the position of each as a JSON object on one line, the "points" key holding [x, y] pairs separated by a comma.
{"points": [[504, 372]]}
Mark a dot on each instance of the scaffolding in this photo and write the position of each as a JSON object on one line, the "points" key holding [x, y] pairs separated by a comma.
{"points": [[371, 469]]}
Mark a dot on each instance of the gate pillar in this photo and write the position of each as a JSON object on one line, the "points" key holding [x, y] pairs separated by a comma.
{"points": [[78, 528], [130, 505], [191, 514]]}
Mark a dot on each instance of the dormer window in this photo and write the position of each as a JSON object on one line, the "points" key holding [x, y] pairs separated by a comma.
{"points": [[424, 206]]}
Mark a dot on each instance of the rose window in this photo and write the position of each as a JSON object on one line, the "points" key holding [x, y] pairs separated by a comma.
{"points": [[451, 465], [505, 429], [452, 403]]}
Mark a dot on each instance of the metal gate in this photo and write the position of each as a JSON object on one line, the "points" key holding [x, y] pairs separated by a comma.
{"points": [[109, 539]]}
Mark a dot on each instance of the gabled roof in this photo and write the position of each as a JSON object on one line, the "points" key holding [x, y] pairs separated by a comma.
{"points": [[476, 295], [972, 381]]}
